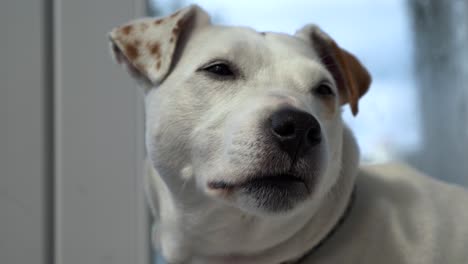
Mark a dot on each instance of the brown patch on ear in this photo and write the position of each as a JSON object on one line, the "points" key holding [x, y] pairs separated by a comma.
{"points": [[351, 77], [179, 23], [155, 49], [357, 78], [175, 31], [151, 51], [127, 29], [131, 52]]}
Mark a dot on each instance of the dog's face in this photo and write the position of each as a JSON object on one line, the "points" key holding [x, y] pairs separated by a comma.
{"points": [[248, 118]]}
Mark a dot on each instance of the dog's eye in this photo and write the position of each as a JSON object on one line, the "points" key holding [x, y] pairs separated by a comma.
{"points": [[220, 69], [323, 90]]}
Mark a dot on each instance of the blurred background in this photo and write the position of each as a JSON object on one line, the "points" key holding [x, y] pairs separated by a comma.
{"points": [[71, 121]]}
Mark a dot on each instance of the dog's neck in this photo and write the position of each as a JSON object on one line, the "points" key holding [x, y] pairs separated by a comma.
{"points": [[191, 229]]}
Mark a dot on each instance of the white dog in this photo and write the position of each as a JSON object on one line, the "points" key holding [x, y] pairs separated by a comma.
{"points": [[249, 159]]}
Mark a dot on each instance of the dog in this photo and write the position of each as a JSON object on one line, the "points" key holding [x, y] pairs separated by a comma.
{"points": [[249, 160]]}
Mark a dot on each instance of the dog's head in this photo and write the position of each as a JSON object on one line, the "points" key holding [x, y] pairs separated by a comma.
{"points": [[249, 118]]}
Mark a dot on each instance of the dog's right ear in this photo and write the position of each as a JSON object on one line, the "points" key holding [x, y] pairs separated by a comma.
{"points": [[148, 46], [352, 77]]}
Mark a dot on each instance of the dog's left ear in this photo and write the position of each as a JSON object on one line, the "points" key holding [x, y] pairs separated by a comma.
{"points": [[149, 47], [352, 78]]}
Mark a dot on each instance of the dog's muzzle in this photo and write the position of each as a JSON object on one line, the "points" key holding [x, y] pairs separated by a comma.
{"points": [[288, 171]]}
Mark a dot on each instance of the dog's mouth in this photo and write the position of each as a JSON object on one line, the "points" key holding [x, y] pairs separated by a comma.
{"points": [[272, 192], [272, 180]]}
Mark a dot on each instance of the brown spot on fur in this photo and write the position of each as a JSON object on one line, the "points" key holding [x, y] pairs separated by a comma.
{"points": [[175, 31], [171, 39], [131, 52], [137, 43], [155, 49], [179, 23], [158, 21], [127, 29], [158, 65]]}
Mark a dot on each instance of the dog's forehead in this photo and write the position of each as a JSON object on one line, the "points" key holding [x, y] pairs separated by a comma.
{"points": [[232, 41], [290, 43]]}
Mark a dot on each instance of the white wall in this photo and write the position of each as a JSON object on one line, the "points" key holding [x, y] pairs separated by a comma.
{"points": [[24, 155], [100, 210]]}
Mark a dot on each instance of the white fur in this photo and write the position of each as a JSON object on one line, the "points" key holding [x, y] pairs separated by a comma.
{"points": [[200, 130]]}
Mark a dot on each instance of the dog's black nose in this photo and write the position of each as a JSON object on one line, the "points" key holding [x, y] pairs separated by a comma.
{"points": [[295, 131]]}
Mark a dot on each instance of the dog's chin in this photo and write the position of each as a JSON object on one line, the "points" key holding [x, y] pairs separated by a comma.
{"points": [[276, 193]]}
